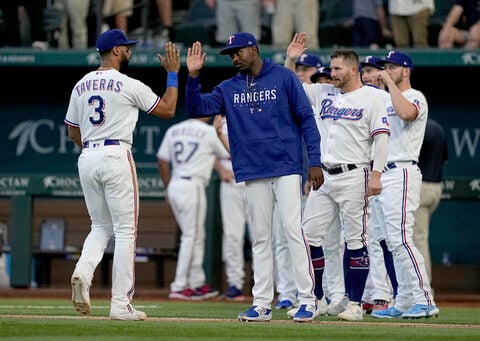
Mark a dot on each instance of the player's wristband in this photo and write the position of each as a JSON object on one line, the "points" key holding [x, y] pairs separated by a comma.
{"points": [[172, 79]]}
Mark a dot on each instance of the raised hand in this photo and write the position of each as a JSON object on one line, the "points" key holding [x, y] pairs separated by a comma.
{"points": [[297, 46], [195, 59], [171, 61]]}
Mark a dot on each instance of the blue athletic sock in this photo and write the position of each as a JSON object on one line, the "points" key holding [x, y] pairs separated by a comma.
{"points": [[358, 272], [318, 261], [346, 272], [388, 259]]}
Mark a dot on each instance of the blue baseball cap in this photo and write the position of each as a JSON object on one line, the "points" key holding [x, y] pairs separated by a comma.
{"points": [[309, 59], [111, 38], [321, 71], [372, 61], [397, 57], [239, 41]]}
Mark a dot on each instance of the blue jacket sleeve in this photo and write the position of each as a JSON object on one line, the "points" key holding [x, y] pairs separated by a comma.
{"points": [[202, 105]]}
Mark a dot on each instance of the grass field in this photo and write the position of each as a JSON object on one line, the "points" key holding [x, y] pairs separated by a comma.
{"points": [[55, 319]]}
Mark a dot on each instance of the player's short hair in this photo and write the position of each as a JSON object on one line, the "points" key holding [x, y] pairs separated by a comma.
{"points": [[351, 57]]}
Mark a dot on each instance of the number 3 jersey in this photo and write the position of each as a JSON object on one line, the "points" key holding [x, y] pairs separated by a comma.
{"points": [[104, 105], [191, 147]]}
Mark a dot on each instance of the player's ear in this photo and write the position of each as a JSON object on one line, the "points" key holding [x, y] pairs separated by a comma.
{"points": [[116, 50]]}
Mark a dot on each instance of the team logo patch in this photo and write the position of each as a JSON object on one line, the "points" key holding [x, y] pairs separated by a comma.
{"points": [[362, 262]]}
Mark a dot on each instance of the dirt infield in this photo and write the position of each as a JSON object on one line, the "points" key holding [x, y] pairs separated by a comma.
{"points": [[442, 299], [183, 319]]}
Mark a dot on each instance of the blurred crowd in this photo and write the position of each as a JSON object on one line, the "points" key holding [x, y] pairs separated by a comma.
{"points": [[44, 24]]}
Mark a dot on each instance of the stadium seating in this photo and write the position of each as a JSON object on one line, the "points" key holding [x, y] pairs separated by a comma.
{"points": [[199, 25]]}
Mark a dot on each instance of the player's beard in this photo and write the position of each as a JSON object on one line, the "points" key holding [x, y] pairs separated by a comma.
{"points": [[398, 80], [124, 64], [338, 83]]}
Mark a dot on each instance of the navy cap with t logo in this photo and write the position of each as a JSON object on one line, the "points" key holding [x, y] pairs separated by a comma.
{"points": [[372, 61], [397, 57], [111, 38], [238, 41], [308, 59]]}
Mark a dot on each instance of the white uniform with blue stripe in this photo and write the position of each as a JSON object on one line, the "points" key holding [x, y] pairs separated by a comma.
{"points": [[105, 104], [347, 122], [399, 200], [190, 147]]}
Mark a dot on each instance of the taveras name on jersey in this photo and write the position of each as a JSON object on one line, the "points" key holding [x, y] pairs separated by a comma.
{"points": [[100, 84]]}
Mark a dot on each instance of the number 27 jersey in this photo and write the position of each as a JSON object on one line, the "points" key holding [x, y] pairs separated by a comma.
{"points": [[191, 147]]}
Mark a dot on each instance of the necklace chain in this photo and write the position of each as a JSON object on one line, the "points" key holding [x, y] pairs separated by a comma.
{"points": [[249, 85]]}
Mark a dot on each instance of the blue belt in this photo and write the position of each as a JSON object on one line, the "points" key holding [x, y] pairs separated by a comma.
{"points": [[105, 143], [392, 165], [338, 170]]}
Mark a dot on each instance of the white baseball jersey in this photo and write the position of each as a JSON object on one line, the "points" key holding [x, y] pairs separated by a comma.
{"points": [[407, 136], [350, 119], [96, 107], [104, 105], [347, 123], [399, 200], [191, 147]]}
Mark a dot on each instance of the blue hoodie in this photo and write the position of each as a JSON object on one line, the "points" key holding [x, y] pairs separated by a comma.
{"points": [[267, 116]]}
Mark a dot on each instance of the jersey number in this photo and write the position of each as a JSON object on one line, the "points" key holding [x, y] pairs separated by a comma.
{"points": [[184, 151], [99, 117]]}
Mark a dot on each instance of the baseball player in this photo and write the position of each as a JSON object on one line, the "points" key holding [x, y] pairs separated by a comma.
{"points": [[322, 75], [305, 66], [402, 179], [350, 117], [333, 302], [233, 205], [267, 116], [189, 148], [101, 117], [381, 285]]}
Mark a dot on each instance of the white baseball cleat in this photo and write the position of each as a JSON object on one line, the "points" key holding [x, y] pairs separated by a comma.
{"points": [[353, 312], [80, 294], [255, 314], [306, 313], [130, 314], [322, 308]]}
